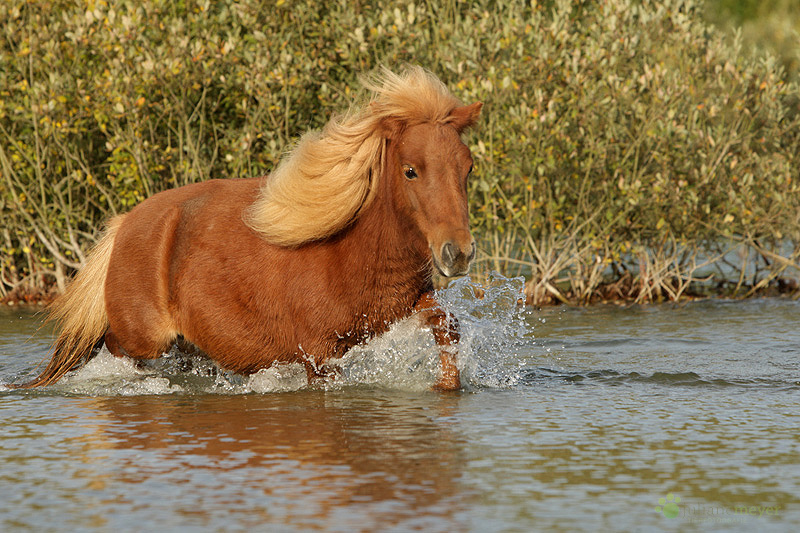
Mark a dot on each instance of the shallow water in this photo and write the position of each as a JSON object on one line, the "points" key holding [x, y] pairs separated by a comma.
{"points": [[571, 420]]}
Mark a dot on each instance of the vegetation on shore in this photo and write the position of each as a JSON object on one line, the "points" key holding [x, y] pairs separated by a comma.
{"points": [[628, 150]]}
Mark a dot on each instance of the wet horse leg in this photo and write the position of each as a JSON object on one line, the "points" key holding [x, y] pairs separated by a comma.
{"points": [[137, 330], [445, 333], [152, 350], [113, 345], [318, 373]]}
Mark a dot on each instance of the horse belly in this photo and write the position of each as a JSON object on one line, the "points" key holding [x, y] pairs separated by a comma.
{"points": [[249, 310]]}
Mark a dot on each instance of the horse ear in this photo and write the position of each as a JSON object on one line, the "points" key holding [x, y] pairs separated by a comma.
{"points": [[465, 116], [390, 127]]}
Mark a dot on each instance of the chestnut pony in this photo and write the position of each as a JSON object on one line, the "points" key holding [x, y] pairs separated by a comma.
{"points": [[339, 242]]}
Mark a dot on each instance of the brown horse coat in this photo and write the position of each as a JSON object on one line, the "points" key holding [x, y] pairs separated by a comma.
{"points": [[219, 263], [220, 285]]}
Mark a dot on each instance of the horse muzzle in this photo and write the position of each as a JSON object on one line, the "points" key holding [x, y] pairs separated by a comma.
{"points": [[454, 259]]}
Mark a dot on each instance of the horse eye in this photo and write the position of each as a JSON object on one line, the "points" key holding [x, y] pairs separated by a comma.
{"points": [[471, 168], [409, 172]]}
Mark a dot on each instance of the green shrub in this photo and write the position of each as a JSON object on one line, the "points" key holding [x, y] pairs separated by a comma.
{"points": [[771, 26], [624, 147]]}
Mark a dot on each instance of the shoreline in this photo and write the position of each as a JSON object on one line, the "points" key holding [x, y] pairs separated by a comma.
{"points": [[607, 294]]}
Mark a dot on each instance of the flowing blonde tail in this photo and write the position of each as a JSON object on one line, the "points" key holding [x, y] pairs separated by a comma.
{"points": [[80, 313]]}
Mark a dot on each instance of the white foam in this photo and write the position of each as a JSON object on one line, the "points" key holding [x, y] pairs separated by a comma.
{"points": [[104, 365], [277, 378], [405, 358], [106, 374]]}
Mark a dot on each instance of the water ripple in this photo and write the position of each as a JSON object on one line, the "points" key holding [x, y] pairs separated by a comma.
{"points": [[681, 379]]}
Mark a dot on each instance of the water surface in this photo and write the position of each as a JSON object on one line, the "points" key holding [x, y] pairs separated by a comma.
{"points": [[571, 420]]}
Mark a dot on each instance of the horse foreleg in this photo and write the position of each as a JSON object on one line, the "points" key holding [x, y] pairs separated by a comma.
{"points": [[319, 373], [445, 332]]}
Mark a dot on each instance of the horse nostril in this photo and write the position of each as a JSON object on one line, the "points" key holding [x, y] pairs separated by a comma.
{"points": [[449, 253], [472, 251]]}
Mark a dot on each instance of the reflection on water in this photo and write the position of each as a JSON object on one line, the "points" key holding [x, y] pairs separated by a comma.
{"points": [[297, 459], [322, 452], [641, 419]]}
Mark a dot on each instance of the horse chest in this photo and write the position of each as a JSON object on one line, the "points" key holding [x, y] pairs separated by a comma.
{"points": [[372, 317]]}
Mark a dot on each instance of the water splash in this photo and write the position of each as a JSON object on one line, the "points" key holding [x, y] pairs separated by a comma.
{"points": [[174, 372], [495, 340], [405, 357], [277, 378], [106, 374]]}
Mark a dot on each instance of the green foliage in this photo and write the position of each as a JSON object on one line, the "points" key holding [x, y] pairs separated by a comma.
{"points": [[764, 25], [622, 141]]}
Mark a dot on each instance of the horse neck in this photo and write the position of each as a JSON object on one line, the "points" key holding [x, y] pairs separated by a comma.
{"points": [[388, 244]]}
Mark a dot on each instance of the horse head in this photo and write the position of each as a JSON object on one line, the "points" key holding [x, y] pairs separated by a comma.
{"points": [[429, 165]]}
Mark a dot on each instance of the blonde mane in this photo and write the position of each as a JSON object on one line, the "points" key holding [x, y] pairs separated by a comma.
{"points": [[319, 186]]}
